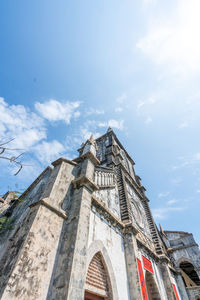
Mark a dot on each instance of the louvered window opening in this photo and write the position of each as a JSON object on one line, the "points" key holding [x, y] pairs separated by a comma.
{"points": [[96, 275]]}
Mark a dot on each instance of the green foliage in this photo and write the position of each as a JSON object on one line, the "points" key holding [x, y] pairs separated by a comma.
{"points": [[17, 196], [6, 223]]}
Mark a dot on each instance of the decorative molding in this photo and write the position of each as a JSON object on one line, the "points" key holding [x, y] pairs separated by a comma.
{"points": [[35, 182], [88, 155], [135, 185], [98, 246], [61, 213], [62, 159], [170, 250], [123, 197], [108, 215], [104, 179], [86, 182]]}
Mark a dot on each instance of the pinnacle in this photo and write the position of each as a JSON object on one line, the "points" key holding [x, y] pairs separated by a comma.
{"points": [[109, 129]]}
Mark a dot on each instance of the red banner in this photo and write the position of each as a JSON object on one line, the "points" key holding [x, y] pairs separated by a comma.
{"points": [[142, 281], [175, 291], [147, 264]]}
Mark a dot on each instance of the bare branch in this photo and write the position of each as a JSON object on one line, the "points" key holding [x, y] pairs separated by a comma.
{"points": [[3, 149], [18, 170], [6, 142], [12, 159], [19, 155]]}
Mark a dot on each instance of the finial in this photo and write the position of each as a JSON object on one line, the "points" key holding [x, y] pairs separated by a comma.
{"points": [[109, 129], [91, 139], [161, 230]]}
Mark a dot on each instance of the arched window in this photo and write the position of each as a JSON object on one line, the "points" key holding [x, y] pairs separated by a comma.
{"points": [[189, 274], [152, 289], [98, 285]]}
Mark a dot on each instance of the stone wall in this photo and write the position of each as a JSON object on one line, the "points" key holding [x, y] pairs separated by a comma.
{"points": [[105, 237]]}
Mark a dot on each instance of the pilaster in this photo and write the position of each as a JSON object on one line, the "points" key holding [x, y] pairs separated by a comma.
{"points": [[167, 279], [130, 245], [181, 287], [68, 278]]}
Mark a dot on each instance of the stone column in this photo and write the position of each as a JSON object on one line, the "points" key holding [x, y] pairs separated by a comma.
{"points": [[130, 245], [69, 274], [84, 188], [198, 271], [167, 278], [181, 287]]}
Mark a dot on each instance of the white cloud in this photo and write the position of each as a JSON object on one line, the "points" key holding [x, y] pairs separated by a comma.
{"points": [[148, 120], [49, 151], [174, 40], [88, 128], [161, 195], [149, 2], [54, 110], [86, 134], [118, 109], [197, 156], [187, 161], [93, 111], [176, 180], [194, 98], [120, 101], [112, 123], [165, 212], [147, 103], [19, 123], [183, 125], [140, 104], [122, 98], [172, 201], [29, 131], [77, 114]]}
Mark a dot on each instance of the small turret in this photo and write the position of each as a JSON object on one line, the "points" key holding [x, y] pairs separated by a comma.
{"points": [[89, 146]]}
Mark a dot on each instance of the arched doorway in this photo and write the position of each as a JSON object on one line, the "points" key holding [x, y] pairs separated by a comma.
{"points": [[189, 275], [152, 289], [98, 285]]}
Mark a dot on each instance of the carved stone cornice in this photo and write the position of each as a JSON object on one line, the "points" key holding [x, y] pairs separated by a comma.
{"points": [[171, 250], [35, 182], [62, 159], [164, 259], [86, 182], [148, 249], [88, 155], [58, 211], [130, 228], [197, 287], [106, 212]]}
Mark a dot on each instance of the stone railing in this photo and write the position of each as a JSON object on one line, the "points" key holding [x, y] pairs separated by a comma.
{"points": [[104, 178]]}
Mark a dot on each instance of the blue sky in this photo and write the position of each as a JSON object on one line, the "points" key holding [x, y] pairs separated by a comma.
{"points": [[72, 68]]}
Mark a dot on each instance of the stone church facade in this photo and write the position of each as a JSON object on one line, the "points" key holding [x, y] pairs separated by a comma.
{"points": [[83, 230]]}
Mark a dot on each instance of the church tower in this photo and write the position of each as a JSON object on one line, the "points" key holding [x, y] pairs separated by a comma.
{"points": [[84, 231]]}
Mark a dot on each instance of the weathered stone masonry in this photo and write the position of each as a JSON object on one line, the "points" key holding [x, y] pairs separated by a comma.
{"points": [[84, 230]]}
